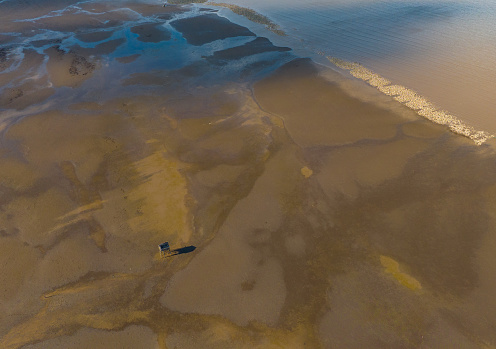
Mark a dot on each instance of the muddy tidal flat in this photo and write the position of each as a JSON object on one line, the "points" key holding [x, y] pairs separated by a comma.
{"points": [[309, 210]]}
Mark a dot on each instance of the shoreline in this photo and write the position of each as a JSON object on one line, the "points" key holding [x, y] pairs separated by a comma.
{"points": [[402, 94]]}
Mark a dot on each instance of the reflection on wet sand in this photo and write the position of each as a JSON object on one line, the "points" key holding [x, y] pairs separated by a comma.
{"points": [[307, 215]]}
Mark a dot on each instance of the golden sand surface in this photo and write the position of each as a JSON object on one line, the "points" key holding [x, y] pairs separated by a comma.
{"points": [[310, 214]]}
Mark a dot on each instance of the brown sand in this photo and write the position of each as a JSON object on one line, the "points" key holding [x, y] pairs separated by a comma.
{"points": [[95, 36], [155, 9], [28, 93], [24, 85], [67, 68], [305, 101], [5, 58], [252, 287], [284, 246], [312, 216], [30, 63], [104, 48], [131, 337]]}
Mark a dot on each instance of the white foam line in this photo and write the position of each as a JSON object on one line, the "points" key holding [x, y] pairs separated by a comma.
{"points": [[412, 100]]}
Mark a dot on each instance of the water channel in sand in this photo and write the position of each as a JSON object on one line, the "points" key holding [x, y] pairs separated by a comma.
{"points": [[323, 213]]}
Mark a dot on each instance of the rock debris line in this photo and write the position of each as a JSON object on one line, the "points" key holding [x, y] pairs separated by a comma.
{"points": [[412, 100]]}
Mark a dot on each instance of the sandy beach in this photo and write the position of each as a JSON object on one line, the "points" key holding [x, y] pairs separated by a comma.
{"points": [[309, 209]]}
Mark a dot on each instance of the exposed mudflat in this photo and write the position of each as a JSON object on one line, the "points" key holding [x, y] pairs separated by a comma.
{"points": [[307, 209]]}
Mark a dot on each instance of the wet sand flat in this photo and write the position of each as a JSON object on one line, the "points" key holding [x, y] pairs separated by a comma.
{"points": [[151, 33], [257, 46], [219, 28], [307, 210]]}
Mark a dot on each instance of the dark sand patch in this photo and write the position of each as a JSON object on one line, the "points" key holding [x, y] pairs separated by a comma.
{"points": [[203, 105], [431, 220], [218, 28], [77, 309], [5, 39], [218, 175], [67, 261], [17, 262], [225, 335], [51, 42], [35, 217], [26, 94], [106, 7], [68, 69], [259, 45], [105, 48], [170, 80], [422, 129], [193, 70], [253, 288], [21, 10], [441, 210], [5, 60], [128, 59], [30, 63], [348, 171], [17, 174], [303, 99], [259, 66], [129, 338], [26, 29], [70, 22], [383, 316], [151, 32], [95, 36], [10, 95], [157, 77], [52, 137]]}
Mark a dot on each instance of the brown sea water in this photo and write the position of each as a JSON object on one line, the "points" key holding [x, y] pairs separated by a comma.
{"points": [[310, 210]]}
